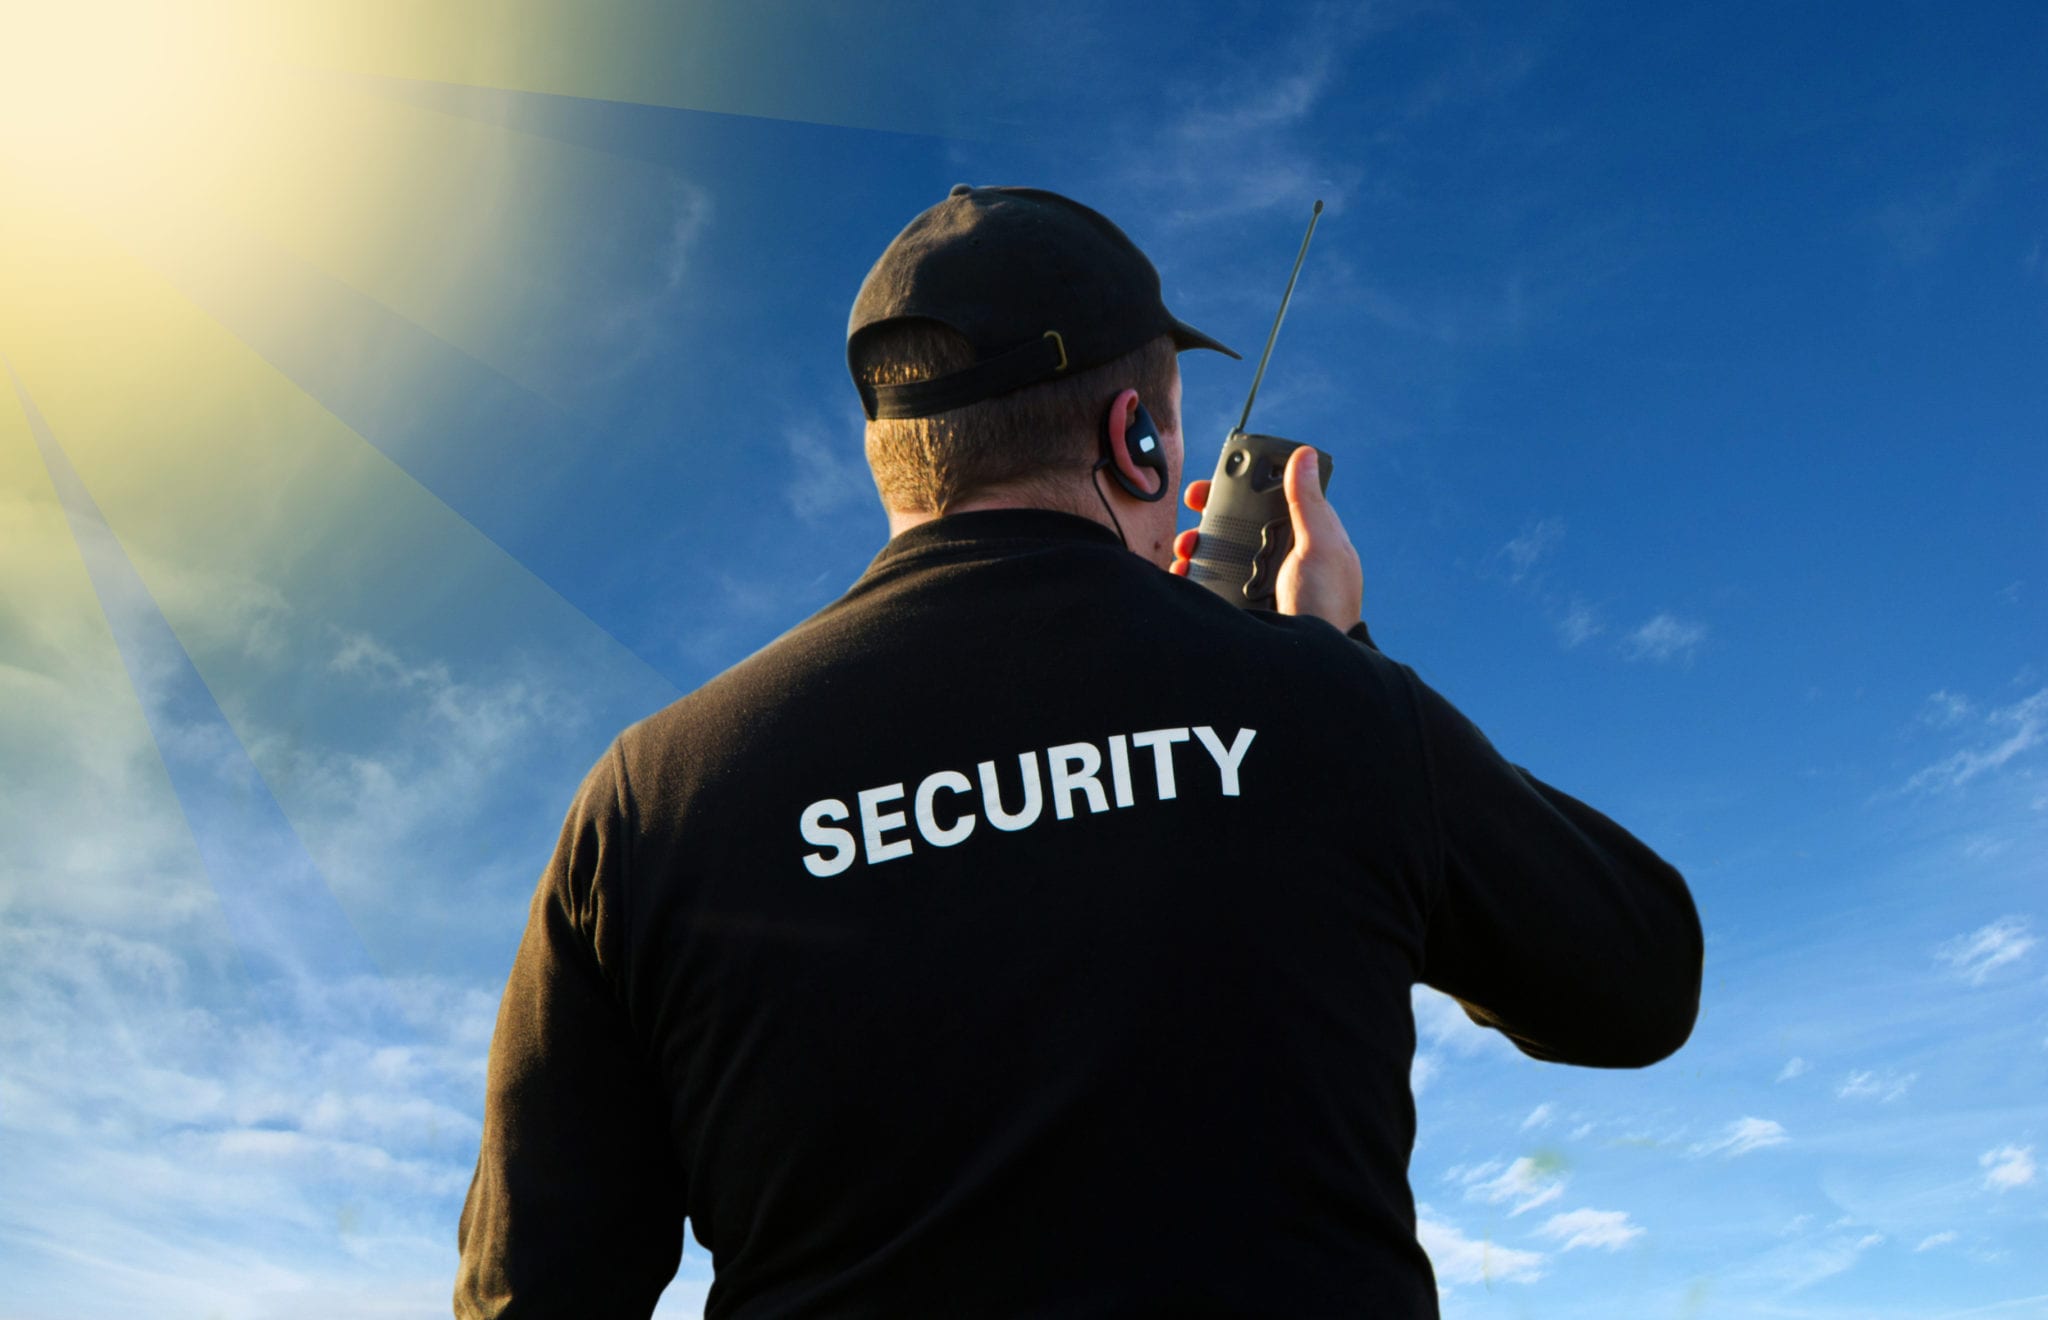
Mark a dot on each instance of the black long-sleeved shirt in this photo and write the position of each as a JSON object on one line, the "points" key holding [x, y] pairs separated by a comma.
{"points": [[1031, 933]]}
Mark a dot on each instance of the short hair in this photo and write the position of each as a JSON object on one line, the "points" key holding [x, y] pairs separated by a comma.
{"points": [[928, 464]]}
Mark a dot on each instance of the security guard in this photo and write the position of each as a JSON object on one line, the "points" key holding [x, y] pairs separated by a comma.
{"points": [[1031, 931]]}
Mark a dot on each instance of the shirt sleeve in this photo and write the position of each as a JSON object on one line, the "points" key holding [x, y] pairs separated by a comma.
{"points": [[577, 1205], [1553, 925]]}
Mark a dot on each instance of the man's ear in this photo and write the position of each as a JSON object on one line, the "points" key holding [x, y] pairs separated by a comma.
{"points": [[1133, 451]]}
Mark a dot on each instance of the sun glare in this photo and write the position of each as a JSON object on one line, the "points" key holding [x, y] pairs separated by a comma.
{"points": [[112, 98]]}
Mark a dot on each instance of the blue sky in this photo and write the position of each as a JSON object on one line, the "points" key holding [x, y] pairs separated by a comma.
{"points": [[1687, 379]]}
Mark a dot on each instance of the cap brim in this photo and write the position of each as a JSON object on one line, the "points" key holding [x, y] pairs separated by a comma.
{"points": [[1186, 337]]}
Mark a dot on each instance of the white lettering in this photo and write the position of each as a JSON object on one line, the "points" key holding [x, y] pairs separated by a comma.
{"points": [[873, 823], [885, 835], [1065, 779], [928, 824], [1161, 742], [1226, 761], [1120, 768], [991, 795], [825, 836]]}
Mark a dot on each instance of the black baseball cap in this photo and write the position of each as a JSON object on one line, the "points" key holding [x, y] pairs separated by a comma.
{"points": [[1037, 283]]}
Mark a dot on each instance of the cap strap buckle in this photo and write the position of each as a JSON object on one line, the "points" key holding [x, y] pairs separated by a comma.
{"points": [[1042, 357]]}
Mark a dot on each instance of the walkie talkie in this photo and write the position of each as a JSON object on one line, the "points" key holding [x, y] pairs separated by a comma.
{"points": [[1246, 533]]}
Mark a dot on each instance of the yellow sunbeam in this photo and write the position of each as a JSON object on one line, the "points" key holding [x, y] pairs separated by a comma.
{"points": [[240, 500], [50, 626], [117, 97], [448, 222], [74, 735], [113, 97], [179, 143], [718, 55]]}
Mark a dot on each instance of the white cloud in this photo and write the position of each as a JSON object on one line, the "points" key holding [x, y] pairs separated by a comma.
{"points": [[1922, 224], [1978, 954], [1743, 1136], [2017, 728], [1524, 1185], [1246, 133], [1609, 1229], [1458, 1259], [1422, 1072], [1532, 545], [1442, 1021], [2007, 1167], [1946, 709], [156, 1119], [825, 476], [1869, 1085], [1794, 1066], [1933, 1240], [436, 751], [1581, 624], [1800, 1265], [603, 300], [1538, 1117], [1236, 150], [1665, 637], [690, 217]]}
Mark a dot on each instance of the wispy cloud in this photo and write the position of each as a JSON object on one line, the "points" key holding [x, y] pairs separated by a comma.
{"points": [[2015, 729], [1976, 955], [2007, 1167], [690, 216], [1441, 1021], [1580, 623], [1458, 1259], [826, 475], [1236, 151], [1442, 1032], [1523, 1185], [1945, 709], [137, 1067], [1527, 550], [441, 747], [1245, 139], [1870, 1085], [1810, 1264], [1665, 637], [1743, 1136], [1538, 1117], [1933, 1240], [1921, 226], [599, 300], [1794, 1066], [1607, 1229]]}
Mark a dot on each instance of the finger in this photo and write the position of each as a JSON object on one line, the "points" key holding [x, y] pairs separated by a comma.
{"points": [[1184, 544], [1197, 496], [1307, 507]]}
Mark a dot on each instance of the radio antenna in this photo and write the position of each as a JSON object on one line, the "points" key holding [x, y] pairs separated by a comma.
{"points": [[1264, 357]]}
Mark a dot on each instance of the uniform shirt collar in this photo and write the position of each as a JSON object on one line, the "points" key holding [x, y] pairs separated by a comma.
{"points": [[961, 534]]}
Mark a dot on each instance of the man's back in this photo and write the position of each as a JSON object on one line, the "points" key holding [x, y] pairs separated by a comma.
{"points": [[1031, 932]]}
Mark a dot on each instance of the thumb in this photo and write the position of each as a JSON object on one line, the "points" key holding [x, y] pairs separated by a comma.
{"points": [[1307, 507]]}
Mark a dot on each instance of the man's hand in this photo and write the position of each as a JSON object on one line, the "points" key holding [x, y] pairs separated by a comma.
{"points": [[1321, 575]]}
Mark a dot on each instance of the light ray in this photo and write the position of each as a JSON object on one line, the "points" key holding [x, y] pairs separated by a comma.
{"points": [[296, 942], [273, 539]]}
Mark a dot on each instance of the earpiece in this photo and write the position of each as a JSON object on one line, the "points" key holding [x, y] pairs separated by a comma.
{"points": [[1146, 452]]}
